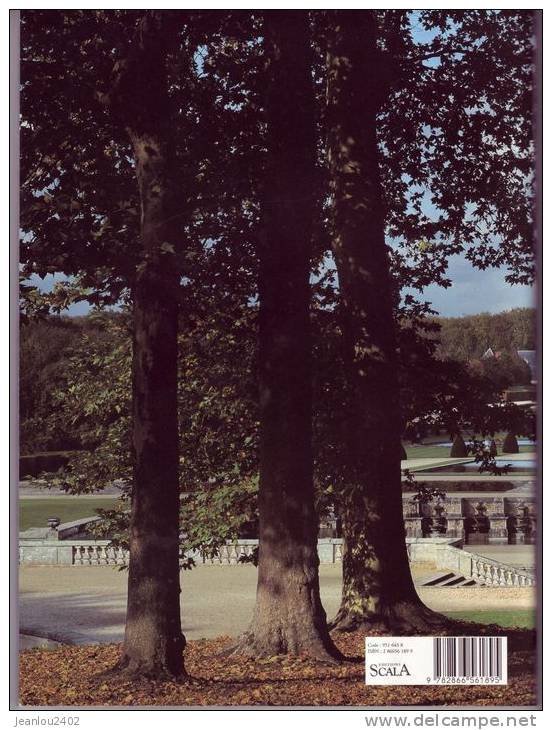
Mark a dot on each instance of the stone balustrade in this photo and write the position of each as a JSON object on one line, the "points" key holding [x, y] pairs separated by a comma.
{"points": [[99, 553], [448, 555], [70, 552], [492, 573], [443, 552], [233, 553]]}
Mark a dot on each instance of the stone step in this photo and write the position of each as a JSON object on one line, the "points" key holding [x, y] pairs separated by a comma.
{"points": [[459, 581], [466, 582], [452, 582], [438, 578], [448, 579]]}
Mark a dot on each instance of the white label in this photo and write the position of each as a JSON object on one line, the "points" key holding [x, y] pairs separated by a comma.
{"points": [[436, 660]]}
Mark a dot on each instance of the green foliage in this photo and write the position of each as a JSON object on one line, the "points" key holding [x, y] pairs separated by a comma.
{"points": [[80, 217], [485, 456], [458, 448], [506, 369], [43, 354], [218, 428], [217, 412], [510, 445], [48, 347], [439, 133], [95, 403], [467, 338], [209, 517], [217, 406], [212, 516], [439, 393], [441, 129], [424, 493]]}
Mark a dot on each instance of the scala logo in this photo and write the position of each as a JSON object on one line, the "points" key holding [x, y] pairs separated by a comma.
{"points": [[394, 671]]}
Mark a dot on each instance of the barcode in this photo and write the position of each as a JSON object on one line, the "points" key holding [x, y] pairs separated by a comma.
{"points": [[436, 660], [469, 656]]}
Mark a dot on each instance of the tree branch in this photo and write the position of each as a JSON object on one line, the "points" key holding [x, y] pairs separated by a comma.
{"points": [[434, 54]]}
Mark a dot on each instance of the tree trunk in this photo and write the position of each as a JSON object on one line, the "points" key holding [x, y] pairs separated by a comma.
{"points": [[288, 615], [377, 584], [153, 644]]}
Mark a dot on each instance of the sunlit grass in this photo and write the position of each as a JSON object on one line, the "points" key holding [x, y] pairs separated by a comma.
{"points": [[35, 512], [524, 618]]}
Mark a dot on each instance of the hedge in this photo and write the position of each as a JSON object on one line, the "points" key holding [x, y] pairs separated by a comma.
{"points": [[458, 448], [31, 465], [510, 445]]}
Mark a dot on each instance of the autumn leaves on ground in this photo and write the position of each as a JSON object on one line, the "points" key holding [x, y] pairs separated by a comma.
{"points": [[79, 675]]}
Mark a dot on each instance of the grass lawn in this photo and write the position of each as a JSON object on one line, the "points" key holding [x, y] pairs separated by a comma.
{"points": [[35, 512], [523, 619], [427, 452], [443, 452]]}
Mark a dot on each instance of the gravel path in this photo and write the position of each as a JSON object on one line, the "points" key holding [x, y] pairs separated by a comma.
{"points": [[87, 604]]}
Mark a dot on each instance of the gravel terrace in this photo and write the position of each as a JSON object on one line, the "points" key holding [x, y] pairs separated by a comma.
{"points": [[86, 604]]}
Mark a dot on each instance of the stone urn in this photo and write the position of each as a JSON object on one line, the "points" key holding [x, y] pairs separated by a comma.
{"points": [[438, 521]]}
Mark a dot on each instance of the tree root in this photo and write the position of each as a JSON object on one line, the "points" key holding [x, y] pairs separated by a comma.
{"points": [[148, 670], [406, 617], [249, 645]]}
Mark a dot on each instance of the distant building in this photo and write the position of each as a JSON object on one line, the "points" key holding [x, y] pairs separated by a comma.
{"points": [[530, 357]]}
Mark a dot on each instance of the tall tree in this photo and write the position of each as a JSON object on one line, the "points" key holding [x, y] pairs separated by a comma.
{"points": [[82, 215], [402, 133], [288, 615], [139, 101], [377, 585]]}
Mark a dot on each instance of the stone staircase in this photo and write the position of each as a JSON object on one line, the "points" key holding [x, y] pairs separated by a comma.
{"points": [[458, 568], [447, 579]]}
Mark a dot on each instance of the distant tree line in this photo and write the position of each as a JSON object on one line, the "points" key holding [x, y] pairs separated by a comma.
{"points": [[46, 346], [60, 358], [467, 338]]}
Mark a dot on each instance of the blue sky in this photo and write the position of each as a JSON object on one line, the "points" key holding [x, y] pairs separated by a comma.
{"points": [[475, 291], [472, 291]]}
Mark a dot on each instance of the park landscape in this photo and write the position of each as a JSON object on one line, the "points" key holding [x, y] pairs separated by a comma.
{"points": [[247, 438]]}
